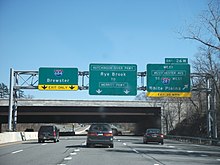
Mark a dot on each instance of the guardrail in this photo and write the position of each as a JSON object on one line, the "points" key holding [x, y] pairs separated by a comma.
{"points": [[194, 140]]}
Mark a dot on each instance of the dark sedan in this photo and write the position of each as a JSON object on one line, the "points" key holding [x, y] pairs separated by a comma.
{"points": [[153, 135], [100, 135]]}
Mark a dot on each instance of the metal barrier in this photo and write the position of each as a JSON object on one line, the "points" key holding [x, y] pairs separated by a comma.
{"points": [[194, 140]]}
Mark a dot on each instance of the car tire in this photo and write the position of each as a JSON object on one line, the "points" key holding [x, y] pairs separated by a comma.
{"points": [[161, 143], [39, 141], [111, 145]]}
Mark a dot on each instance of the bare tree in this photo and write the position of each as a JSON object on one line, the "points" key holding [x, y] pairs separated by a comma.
{"points": [[207, 32]]}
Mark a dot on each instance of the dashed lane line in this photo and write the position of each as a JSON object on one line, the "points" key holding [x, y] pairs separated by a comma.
{"points": [[73, 153], [76, 150], [68, 158], [135, 151], [15, 152]]}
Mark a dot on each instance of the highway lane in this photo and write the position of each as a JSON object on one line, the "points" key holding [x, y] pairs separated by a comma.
{"points": [[128, 150], [173, 152]]}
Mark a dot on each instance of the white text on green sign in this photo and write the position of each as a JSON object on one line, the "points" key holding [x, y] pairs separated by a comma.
{"points": [[168, 78], [113, 79], [58, 78]]}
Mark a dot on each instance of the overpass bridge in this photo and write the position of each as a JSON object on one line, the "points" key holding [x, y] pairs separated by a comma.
{"points": [[82, 111]]}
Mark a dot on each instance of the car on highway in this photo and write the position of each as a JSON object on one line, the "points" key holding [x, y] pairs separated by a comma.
{"points": [[153, 135], [100, 135], [116, 131], [48, 132]]}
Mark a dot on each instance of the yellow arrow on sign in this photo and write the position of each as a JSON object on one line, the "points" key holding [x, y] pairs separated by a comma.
{"points": [[58, 87], [169, 94]]}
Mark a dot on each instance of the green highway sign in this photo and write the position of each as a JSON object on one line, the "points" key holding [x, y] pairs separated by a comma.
{"points": [[176, 60], [113, 79], [58, 78], [168, 80]]}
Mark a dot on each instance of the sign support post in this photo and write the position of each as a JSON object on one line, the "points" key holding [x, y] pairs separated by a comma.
{"points": [[11, 99]]}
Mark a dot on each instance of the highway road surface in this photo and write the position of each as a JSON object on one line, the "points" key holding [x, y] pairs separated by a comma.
{"points": [[128, 150]]}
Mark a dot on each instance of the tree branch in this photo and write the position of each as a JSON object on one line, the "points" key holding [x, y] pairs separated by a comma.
{"points": [[203, 42]]}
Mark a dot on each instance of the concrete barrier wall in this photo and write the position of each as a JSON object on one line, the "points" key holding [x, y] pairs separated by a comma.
{"points": [[31, 135], [8, 137]]}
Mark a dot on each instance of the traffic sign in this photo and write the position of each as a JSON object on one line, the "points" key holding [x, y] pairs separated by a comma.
{"points": [[58, 79], [113, 79], [166, 80], [176, 60]]}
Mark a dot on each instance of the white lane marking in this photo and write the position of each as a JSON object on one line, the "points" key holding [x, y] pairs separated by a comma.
{"points": [[73, 153], [68, 158], [77, 150], [218, 159], [156, 164], [190, 151], [171, 146], [124, 144], [135, 151], [119, 140], [204, 155], [15, 152], [44, 144], [61, 164]]}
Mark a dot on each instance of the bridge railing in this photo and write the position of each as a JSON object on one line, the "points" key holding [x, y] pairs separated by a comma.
{"points": [[194, 140]]}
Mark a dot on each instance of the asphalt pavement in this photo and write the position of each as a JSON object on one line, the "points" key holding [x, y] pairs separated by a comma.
{"points": [[128, 150]]}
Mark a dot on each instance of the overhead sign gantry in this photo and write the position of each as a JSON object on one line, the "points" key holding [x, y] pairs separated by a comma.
{"points": [[172, 79]]}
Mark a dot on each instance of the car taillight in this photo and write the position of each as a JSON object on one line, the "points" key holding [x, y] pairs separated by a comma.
{"points": [[161, 135], [54, 133], [107, 134], [92, 134]]}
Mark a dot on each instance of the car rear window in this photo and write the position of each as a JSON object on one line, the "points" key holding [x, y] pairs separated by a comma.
{"points": [[153, 131], [100, 127], [46, 129]]}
